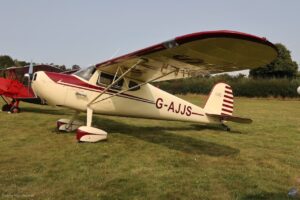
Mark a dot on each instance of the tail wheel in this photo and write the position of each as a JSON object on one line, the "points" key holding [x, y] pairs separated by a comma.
{"points": [[225, 128], [15, 109], [6, 107]]}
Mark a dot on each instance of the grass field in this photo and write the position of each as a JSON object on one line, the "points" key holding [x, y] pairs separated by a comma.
{"points": [[149, 159]]}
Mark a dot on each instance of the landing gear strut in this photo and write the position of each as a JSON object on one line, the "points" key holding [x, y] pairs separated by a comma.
{"points": [[13, 107], [88, 133], [68, 125], [6, 107], [83, 133]]}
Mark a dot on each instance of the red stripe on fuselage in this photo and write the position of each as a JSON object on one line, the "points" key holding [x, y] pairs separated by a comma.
{"points": [[194, 113], [65, 79]]}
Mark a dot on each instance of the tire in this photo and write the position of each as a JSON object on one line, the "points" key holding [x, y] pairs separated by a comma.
{"points": [[15, 109], [6, 107]]}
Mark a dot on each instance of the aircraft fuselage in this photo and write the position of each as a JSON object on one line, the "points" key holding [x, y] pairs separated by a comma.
{"points": [[147, 101]]}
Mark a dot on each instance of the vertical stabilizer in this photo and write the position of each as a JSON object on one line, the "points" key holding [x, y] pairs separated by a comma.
{"points": [[220, 100]]}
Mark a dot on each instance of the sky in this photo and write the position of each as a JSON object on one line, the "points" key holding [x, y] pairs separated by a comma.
{"points": [[86, 32]]}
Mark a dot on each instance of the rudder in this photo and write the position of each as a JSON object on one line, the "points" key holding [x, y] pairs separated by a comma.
{"points": [[220, 100]]}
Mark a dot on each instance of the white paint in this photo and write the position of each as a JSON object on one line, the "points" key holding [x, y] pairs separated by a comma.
{"points": [[93, 134]]}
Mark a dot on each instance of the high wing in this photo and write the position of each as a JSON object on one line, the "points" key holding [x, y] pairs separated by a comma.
{"points": [[195, 54]]}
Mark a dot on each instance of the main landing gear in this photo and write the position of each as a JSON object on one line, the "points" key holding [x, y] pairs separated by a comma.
{"points": [[68, 125], [88, 133], [6, 107], [83, 133], [13, 107]]}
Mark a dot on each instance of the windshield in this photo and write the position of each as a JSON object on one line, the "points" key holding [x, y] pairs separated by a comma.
{"points": [[86, 73]]}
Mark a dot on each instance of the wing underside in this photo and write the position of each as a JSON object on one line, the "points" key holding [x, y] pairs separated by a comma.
{"points": [[195, 54]]}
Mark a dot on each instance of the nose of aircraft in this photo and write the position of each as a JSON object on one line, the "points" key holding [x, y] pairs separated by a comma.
{"points": [[34, 82], [38, 82], [45, 86]]}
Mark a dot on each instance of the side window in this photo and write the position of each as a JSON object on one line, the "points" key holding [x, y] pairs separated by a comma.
{"points": [[107, 79], [86, 73], [133, 84]]}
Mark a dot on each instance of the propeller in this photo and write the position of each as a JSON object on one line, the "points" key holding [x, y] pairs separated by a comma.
{"points": [[30, 70], [29, 76]]}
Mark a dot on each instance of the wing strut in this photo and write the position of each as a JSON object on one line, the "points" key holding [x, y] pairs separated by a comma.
{"points": [[115, 81], [136, 86]]}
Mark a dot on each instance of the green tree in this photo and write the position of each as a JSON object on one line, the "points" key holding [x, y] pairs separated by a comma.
{"points": [[282, 67], [75, 67], [63, 67], [6, 61], [21, 63]]}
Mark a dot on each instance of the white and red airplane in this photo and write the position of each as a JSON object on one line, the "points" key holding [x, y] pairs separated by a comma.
{"points": [[121, 86]]}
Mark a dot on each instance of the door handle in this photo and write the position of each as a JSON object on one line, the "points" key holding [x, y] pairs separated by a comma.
{"points": [[81, 94]]}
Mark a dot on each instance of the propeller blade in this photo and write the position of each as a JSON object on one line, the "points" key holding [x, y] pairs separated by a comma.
{"points": [[30, 70]]}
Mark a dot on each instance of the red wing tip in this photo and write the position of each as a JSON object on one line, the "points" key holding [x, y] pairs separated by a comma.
{"points": [[188, 38], [221, 33]]}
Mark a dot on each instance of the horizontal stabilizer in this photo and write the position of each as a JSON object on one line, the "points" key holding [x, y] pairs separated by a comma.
{"points": [[231, 118]]}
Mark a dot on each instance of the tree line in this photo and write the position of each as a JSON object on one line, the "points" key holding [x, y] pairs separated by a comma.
{"points": [[6, 61], [280, 78]]}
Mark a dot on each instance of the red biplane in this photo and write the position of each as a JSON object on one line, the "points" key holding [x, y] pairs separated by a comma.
{"points": [[15, 85]]}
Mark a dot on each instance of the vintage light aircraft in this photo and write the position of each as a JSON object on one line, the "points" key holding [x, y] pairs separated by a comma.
{"points": [[15, 85], [121, 86]]}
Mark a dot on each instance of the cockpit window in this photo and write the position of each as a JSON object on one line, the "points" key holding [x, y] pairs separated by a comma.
{"points": [[107, 79], [133, 86], [86, 73]]}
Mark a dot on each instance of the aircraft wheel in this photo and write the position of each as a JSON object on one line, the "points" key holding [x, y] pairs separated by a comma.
{"points": [[90, 134], [225, 128], [63, 125], [6, 107], [15, 109]]}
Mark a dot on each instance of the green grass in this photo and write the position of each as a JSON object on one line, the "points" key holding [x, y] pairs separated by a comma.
{"points": [[150, 159]]}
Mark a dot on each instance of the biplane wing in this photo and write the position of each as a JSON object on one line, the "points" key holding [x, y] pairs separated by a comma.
{"points": [[195, 54], [14, 88]]}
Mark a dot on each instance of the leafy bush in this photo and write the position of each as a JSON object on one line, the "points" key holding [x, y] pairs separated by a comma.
{"points": [[242, 86]]}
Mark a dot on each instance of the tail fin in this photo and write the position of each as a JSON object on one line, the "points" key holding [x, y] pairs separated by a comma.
{"points": [[220, 100], [220, 104]]}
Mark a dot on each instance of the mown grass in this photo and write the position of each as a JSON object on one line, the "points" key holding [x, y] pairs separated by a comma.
{"points": [[150, 159]]}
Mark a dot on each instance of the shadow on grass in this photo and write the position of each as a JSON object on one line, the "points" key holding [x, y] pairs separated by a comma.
{"points": [[50, 111], [161, 136], [156, 135], [267, 196], [214, 127]]}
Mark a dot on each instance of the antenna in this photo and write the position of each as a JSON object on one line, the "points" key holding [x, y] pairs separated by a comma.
{"points": [[116, 52]]}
